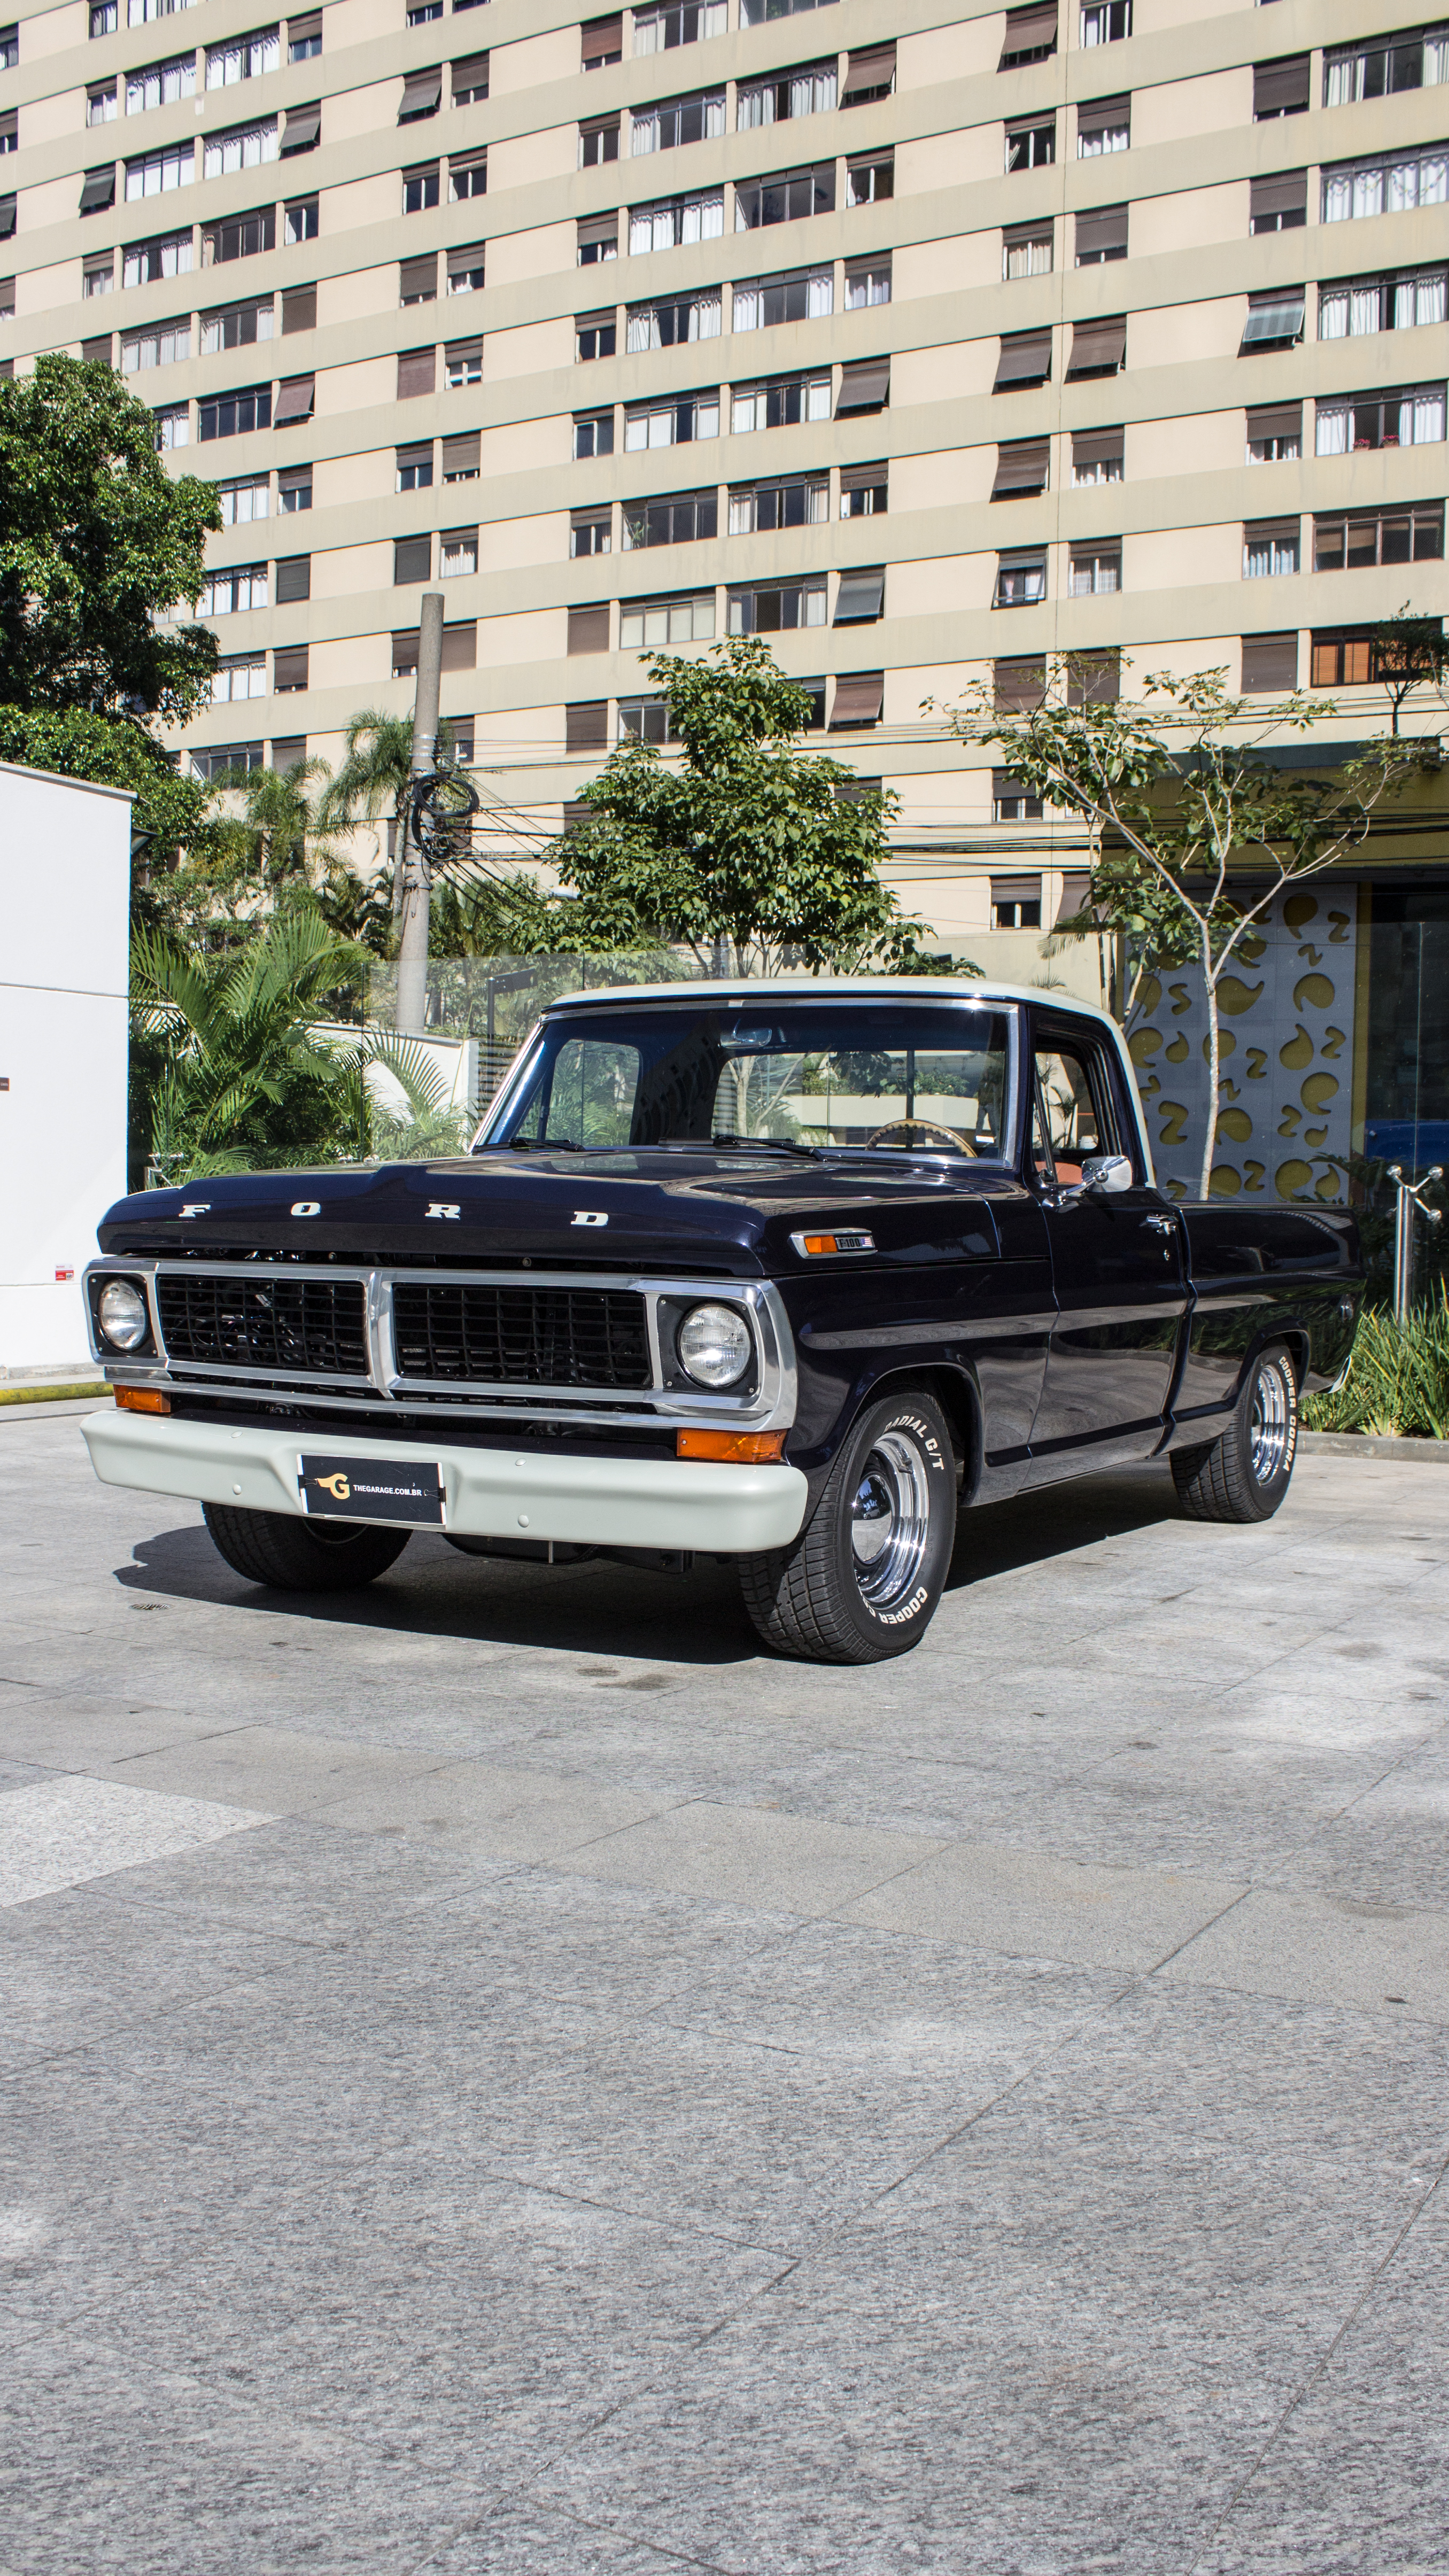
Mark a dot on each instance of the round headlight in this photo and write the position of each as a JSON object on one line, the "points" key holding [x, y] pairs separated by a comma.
{"points": [[713, 1343], [123, 1318]]}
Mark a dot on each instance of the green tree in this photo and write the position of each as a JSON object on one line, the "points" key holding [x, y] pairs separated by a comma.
{"points": [[228, 1073], [97, 546], [374, 782], [116, 751], [1198, 829], [748, 839], [277, 830], [1407, 652]]}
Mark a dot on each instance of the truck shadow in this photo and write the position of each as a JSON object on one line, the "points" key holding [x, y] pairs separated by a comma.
{"points": [[697, 1618]]}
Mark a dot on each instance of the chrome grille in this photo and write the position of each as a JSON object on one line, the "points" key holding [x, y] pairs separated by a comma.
{"points": [[524, 1336], [316, 1327]]}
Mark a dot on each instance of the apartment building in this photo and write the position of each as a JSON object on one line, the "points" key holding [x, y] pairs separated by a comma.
{"points": [[924, 345]]}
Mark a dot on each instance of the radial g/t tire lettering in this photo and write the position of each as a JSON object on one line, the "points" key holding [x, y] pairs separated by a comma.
{"points": [[862, 1580], [290, 1555], [1244, 1476]]}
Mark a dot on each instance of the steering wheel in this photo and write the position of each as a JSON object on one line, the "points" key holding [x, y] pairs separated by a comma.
{"points": [[920, 1134]]}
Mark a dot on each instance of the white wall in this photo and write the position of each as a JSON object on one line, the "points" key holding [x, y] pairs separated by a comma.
{"points": [[65, 875]]}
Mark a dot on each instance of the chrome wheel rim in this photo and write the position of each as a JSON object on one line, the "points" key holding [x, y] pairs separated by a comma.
{"points": [[890, 1521], [1272, 1419]]}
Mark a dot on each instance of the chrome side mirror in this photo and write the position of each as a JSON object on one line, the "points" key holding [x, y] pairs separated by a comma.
{"points": [[1107, 1172]]}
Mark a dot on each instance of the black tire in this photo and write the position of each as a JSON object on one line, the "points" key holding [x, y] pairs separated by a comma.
{"points": [[892, 1489], [1245, 1475], [292, 1555]]}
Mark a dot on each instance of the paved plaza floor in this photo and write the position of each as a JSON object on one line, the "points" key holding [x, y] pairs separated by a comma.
{"points": [[501, 2075]]}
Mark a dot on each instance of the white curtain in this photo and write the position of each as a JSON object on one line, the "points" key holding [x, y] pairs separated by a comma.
{"points": [[1421, 416], [1436, 59], [644, 134], [756, 107], [1365, 308], [1368, 190], [1331, 430], [742, 514], [245, 150], [702, 219], [822, 294], [1434, 178], [811, 92], [1344, 80], [1333, 313], [704, 317], [1429, 302], [747, 305]]}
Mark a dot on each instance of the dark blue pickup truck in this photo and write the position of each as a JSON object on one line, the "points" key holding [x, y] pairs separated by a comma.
{"points": [[787, 1272]]}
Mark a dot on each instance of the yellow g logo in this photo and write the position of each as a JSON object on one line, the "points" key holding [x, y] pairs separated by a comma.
{"points": [[337, 1486]]}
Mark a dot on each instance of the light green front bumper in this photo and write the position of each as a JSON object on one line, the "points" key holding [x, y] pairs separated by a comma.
{"points": [[490, 1493]]}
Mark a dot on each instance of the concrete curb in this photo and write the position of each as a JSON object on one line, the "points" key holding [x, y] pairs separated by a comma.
{"points": [[1364, 1444]]}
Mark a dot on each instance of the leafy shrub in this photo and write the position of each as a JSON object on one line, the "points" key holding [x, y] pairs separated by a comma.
{"points": [[1398, 1378]]}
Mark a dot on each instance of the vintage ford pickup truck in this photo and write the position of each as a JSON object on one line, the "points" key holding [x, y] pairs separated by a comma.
{"points": [[787, 1272]]}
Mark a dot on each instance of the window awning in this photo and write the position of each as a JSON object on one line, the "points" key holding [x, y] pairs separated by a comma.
{"points": [[1104, 229], [460, 645], [295, 397], [872, 73], [1095, 446], [1020, 684], [1094, 678], [1026, 359], [858, 698], [1285, 192], [417, 372], [860, 597], [1030, 33], [461, 453], [1281, 88], [599, 228], [470, 76], [422, 96], [1275, 420], [294, 578], [303, 128], [418, 278], [1021, 467], [98, 192], [1098, 348], [865, 385], [601, 40], [863, 478], [1275, 318]]}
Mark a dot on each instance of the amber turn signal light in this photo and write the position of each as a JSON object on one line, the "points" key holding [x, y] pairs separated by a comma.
{"points": [[733, 1448], [811, 1246], [142, 1399]]}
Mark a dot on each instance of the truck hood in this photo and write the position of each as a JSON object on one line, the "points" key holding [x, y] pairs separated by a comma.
{"points": [[683, 1210]]}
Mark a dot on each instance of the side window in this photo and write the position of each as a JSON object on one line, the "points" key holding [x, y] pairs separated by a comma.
{"points": [[590, 1100], [1073, 1118]]}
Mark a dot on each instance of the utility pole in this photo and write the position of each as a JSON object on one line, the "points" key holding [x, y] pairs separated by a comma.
{"points": [[412, 966]]}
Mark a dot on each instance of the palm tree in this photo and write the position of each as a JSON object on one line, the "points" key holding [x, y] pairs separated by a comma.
{"points": [[278, 825], [374, 781]]}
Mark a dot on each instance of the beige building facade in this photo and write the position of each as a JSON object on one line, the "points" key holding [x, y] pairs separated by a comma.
{"points": [[925, 346]]}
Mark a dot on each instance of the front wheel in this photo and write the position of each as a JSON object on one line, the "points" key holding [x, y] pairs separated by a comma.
{"points": [[1245, 1475], [291, 1555], [862, 1580]]}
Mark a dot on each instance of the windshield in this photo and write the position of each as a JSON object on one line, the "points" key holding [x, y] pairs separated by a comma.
{"points": [[904, 1077]]}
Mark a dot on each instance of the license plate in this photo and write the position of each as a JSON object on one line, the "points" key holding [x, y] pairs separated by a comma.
{"points": [[371, 1489]]}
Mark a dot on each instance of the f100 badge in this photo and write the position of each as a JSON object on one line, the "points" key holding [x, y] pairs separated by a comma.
{"points": [[372, 1489]]}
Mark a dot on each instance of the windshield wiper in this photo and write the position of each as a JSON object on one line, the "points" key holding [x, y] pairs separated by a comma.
{"points": [[764, 1144]]}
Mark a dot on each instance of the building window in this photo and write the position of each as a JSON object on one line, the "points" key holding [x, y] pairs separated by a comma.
{"points": [[1103, 125], [1106, 22], [304, 37], [808, 90], [1095, 568], [778, 610], [658, 31], [425, 13], [294, 489], [1012, 800], [786, 198], [1101, 236], [97, 352], [9, 48], [754, 13], [1098, 348], [412, 559], [420, 188], [1031, 142], [865, 386], [1022, 468], [1031, 35], [598, 141], [867, 281], [1025, 359], [593, 434], [103, 18], [289, 677], [1019, 683], [462, 457], [1021, 579], [467, 176], [675, 220], [101, 103], [240, 58], [233, 415], [597, 239], [236, 326], [856, 704], [173, 427], [591, 532], [465, 269], [595, 336], [98, 193], [418, 280], [1094, 678], [215, 760], [156, 173], [244, 147], [871, 75], [671, 424], [301, 221], [1280, 88], [422, 96], [302, 131], [161, 84], [1275, 320], [1270, 663], [240, 237], [586, 725], [601, 41], [239, 675], [296, 396], [227, 594], [860, 600], [1097, 456], [417, 373], [98, 277], [671, 519], [1278, 204], [166, 255], [671, 122], [1418, 59], [1342, 657], [463, 363], [645, 625], [1353, 306], [1016, 901], [802, 295], [669, 326], [1275, 433], [1353, 541], [1410, 417], [470, 80], [779, 403], [645, 719], [766, 507], [244, 501], [864, 491], [294, 578], [869, 182], [161, 344], [588, 629], [415, 467], [1026, 249], [1270, 546], [1392, 185]]}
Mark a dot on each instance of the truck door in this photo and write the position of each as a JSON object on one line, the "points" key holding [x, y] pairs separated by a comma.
{"points": [[1117, 1271]]}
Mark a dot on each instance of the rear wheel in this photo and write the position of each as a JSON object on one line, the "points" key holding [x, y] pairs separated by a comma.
{"points": [[862, 1580], [1245, 1475], [291, 1555]]}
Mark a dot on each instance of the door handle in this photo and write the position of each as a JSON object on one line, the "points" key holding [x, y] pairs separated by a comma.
{"points": [[1161, 1224]]}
